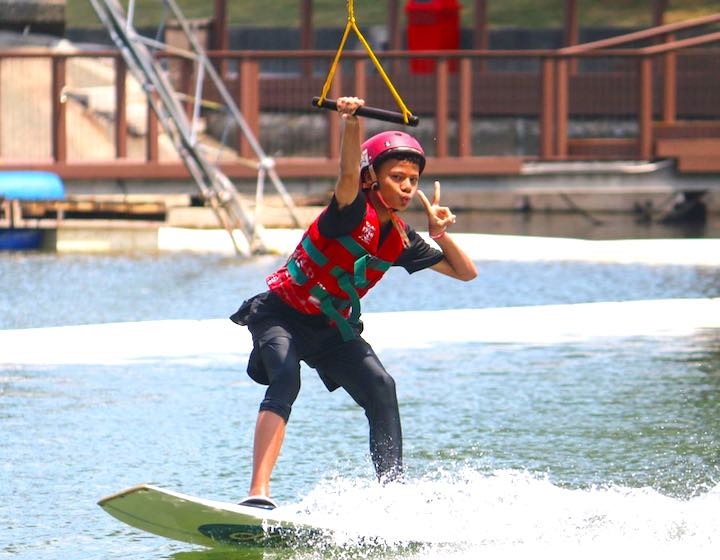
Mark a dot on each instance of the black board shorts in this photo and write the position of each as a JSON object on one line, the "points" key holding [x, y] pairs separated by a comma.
{"points": [[317, 340]]}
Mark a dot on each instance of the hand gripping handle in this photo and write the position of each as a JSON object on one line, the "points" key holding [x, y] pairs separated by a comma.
{"points": [[370, 112]]}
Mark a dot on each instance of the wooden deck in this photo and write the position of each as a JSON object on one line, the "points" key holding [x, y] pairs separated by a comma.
{"points": [[695, 145]]}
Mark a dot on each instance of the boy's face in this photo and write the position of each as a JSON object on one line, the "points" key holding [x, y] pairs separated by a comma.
{"points": [[398, 182]]}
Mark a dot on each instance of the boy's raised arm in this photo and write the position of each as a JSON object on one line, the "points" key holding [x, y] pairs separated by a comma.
{"points": [[348, 183]]}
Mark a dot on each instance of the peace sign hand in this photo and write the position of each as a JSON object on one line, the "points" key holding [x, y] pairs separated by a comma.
{"points": [[439, 217]]}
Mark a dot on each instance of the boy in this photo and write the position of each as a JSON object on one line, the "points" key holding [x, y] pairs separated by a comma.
{"points": [[311, 310]]}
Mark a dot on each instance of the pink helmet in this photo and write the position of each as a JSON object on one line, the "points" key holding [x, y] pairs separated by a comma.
{"points": [[386, 144]]}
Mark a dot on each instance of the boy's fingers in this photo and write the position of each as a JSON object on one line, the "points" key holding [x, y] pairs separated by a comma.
{"points": [[348, 105], [449, 220], [436, 197], [424, 200]]}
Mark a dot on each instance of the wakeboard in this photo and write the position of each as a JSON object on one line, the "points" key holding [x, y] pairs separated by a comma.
{"points": [[211, 523]]}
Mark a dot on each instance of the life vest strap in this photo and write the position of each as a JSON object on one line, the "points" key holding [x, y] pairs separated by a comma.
{"points": [[327, 306], [353, 247], [330, 305], [345, 283], [297, 275], [362, 264], [313, 252]]}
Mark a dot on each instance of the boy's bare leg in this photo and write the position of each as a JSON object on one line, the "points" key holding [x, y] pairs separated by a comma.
{"points": [[269, 435]]}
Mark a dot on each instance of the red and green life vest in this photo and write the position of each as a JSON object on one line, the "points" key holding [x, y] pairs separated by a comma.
{"points": [[329, 275]]}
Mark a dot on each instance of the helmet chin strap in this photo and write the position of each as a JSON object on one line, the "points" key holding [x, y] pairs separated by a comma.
{"points": [[391, 211]]}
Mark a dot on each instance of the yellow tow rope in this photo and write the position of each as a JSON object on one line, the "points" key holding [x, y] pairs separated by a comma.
{"points": [[351, 25]]}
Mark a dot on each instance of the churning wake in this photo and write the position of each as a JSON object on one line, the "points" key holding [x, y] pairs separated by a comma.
{"points": [[508, 514]]}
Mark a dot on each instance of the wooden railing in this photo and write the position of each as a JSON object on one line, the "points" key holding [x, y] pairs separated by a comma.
{"points": [[482, 112]]}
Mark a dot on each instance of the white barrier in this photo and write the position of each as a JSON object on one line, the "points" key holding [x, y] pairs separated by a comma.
{"points": [[221, 339], [694, 252]]}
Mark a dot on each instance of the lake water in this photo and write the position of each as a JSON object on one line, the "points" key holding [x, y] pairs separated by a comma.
{"points": [[548, 420]]}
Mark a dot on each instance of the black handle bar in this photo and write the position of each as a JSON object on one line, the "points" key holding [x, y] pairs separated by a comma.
{"points": [[370, 112]]}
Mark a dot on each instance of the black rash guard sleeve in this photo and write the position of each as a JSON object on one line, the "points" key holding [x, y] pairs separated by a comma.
{"points": [[420, 255]]}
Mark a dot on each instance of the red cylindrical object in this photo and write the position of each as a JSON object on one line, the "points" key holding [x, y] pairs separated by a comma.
{"points": [[432, 25]]}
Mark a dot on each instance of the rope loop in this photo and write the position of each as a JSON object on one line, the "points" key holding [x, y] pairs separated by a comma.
{"points": [[352, 26]]}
